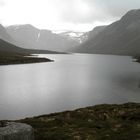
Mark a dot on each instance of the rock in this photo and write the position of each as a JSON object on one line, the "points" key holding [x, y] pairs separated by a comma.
{"points": [[16, 131]]}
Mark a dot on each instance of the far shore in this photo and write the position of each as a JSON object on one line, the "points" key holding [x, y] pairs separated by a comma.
{"points": [[138, 59], [20, 59]]}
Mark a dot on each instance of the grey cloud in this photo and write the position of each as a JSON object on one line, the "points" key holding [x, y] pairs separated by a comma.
{"points": [[2, 3], [99, 10], [70, 13], [116, 7]]}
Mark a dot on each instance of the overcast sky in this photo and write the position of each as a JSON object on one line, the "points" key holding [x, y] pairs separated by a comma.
{"points": [[77, 15]]}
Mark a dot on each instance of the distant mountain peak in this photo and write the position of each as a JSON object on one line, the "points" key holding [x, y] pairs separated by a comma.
{"points": [[28, 36]]}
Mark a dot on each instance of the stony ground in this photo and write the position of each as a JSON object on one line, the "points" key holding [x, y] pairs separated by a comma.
{"points": [[101, 122]]}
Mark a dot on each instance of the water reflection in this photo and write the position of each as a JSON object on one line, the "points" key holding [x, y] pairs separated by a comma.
{"points": [[72, 81]]}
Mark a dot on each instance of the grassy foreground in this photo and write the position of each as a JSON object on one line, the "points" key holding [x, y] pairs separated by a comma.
{"points": [[100, 122], [19, 59]]}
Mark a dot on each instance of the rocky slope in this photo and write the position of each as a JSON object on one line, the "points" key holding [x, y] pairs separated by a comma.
{"points": [[121, 37], [100, 122]]}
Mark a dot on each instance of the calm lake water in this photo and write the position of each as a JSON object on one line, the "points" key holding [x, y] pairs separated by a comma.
{"points": [[71, 82]]}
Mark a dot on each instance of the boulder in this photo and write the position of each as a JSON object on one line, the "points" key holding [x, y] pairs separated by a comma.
{"points": [[16, 131]]}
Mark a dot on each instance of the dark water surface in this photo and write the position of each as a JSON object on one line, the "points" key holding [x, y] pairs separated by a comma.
{"points": [[72, 81]]}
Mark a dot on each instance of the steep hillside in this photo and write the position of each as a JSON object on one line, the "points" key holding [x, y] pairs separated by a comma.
{"points": [[10, 49], [121, 37], [4, 35], [7, 48], [95, 32], [10, 54]]}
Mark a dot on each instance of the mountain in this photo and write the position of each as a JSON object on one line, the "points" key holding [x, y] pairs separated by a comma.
{"points": [[121, 37], [4, 35], [7, 48], [95, 32], [27, 36], [10, 54], [79, 37]]}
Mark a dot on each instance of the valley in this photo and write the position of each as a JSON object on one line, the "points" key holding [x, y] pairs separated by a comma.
{"points": [[91, 91]]}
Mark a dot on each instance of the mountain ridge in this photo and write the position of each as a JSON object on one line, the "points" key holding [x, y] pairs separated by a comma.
{"points": [[4, 35], [28, 36], [120, 37], [7, 48]]}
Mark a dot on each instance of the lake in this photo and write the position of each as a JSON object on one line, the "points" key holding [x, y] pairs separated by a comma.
{"points": [[72, 81]]}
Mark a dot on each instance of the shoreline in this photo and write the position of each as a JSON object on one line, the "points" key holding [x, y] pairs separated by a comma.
{"points": [[19, 59], [105, 121], [136, 59]]}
